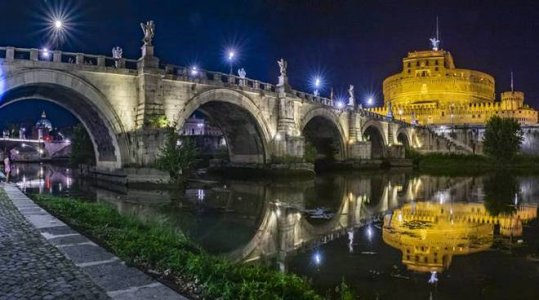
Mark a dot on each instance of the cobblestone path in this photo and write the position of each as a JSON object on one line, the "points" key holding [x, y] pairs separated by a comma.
{"points": [[31, 268]]}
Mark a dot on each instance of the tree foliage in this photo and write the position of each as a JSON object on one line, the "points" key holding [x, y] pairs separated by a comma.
{"points": [[310, 152], [82, 148], [503, 137], [177, 155]]}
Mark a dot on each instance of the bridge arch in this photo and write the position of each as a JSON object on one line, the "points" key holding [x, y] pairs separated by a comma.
{"points": [[79, 97], [374, 132], [322, 127], [244, 126], [404, 137]]}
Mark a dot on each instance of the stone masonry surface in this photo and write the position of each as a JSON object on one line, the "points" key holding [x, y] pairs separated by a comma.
{"points": [[31, 268], [43, 258]]}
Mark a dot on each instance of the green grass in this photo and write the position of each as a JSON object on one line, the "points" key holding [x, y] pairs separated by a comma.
{"points": [[470, 164], [153, 245]]}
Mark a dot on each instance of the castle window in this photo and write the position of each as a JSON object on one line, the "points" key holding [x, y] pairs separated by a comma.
{"points": [[427, 63], [443, 113], [436, 62], [417, 63], [436, 69], [409, 65]]}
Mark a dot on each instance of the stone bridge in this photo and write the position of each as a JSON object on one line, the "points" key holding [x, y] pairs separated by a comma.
{"points": [[32, 150], [124, 104]]}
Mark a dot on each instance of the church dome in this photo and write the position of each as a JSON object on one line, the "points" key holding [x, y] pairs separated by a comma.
{"points": [[44, 122]]}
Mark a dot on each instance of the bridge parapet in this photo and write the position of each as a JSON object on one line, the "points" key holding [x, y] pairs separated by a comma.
{"points": [[11, 54]]}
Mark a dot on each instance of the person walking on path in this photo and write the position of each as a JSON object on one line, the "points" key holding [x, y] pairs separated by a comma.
{"points": [[7, 166]]}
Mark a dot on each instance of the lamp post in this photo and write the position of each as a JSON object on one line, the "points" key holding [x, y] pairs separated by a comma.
{"points": [[58, 29], [230, 57], [317, 84]]}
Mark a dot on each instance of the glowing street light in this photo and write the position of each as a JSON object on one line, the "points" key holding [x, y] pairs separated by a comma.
{"points": [[194, 71], [45, 53], [58, 24], [370, 101], [317, 83], [231, 55]]}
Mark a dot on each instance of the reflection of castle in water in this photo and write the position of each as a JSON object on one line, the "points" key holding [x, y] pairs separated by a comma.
{"points": [[429, 234]]}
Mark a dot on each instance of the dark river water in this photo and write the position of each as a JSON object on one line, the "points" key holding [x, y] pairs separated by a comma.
{"points": [[387, 235]]}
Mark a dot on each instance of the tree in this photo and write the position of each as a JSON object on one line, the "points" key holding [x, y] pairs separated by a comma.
{"points": [[82, 148], [503, 137], [177, 155]]}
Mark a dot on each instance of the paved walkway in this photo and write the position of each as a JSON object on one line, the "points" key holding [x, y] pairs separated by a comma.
{"points": [[42, 258]]}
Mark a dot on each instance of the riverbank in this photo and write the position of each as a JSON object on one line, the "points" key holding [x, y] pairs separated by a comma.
{"points": [[163, 251], [471, 164]]}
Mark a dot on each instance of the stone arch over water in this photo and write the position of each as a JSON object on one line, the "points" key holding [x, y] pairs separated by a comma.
{"points": [[322, 129], [243, 125], [80, 98]]}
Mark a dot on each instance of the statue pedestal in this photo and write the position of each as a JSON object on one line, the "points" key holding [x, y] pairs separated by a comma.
{"points": [[147, 50], [148, 60]]}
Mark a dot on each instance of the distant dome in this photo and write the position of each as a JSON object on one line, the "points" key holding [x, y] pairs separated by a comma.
{"points": [[44, 122]]}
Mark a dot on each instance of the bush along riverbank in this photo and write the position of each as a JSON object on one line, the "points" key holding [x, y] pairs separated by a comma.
{"points": [[471, 164], [162, 250]]}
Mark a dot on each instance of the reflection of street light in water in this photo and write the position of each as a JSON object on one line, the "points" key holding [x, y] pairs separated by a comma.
{"points": [[317, 258], [351, 240], [433, 277], [369, 232], [201, 195]]}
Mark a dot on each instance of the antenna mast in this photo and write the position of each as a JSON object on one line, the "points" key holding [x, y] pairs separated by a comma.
{"points": [[435, 41], [512, 83]]}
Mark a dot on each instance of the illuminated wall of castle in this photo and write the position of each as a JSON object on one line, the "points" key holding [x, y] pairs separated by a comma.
{"points": [[431, 90]]}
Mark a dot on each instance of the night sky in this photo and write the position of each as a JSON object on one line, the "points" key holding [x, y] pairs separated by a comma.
{"points": [[347, 42]]}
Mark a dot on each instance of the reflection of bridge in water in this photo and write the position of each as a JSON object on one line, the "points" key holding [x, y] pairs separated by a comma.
{"points": [[276, 211], [41, 177]]}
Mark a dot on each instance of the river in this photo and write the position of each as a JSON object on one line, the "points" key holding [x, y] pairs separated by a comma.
{"points": [[387, 235]]}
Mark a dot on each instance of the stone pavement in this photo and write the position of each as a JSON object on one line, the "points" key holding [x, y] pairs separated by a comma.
{"points": [[43, 258]]}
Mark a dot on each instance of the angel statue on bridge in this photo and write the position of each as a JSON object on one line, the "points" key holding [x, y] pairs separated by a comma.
{"points": [[149, 32], [282, 66], [351, 98], [242, 73]]}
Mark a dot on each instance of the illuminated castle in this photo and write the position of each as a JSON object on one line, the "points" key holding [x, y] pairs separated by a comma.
{"points": [[431, 90], [429, 234]]}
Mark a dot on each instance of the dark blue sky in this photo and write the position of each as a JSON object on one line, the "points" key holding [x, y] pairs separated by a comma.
{"points": [[349, 41]]}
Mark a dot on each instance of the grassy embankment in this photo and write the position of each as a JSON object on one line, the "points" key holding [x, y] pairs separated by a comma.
{"points": [[161, 248], [471, 164]]}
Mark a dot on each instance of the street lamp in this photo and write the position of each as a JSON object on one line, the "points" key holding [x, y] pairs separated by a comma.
{"points": [[317, 84], [230, 57], [193, 71], [58, 31], [370, 101], [58, 24]]}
